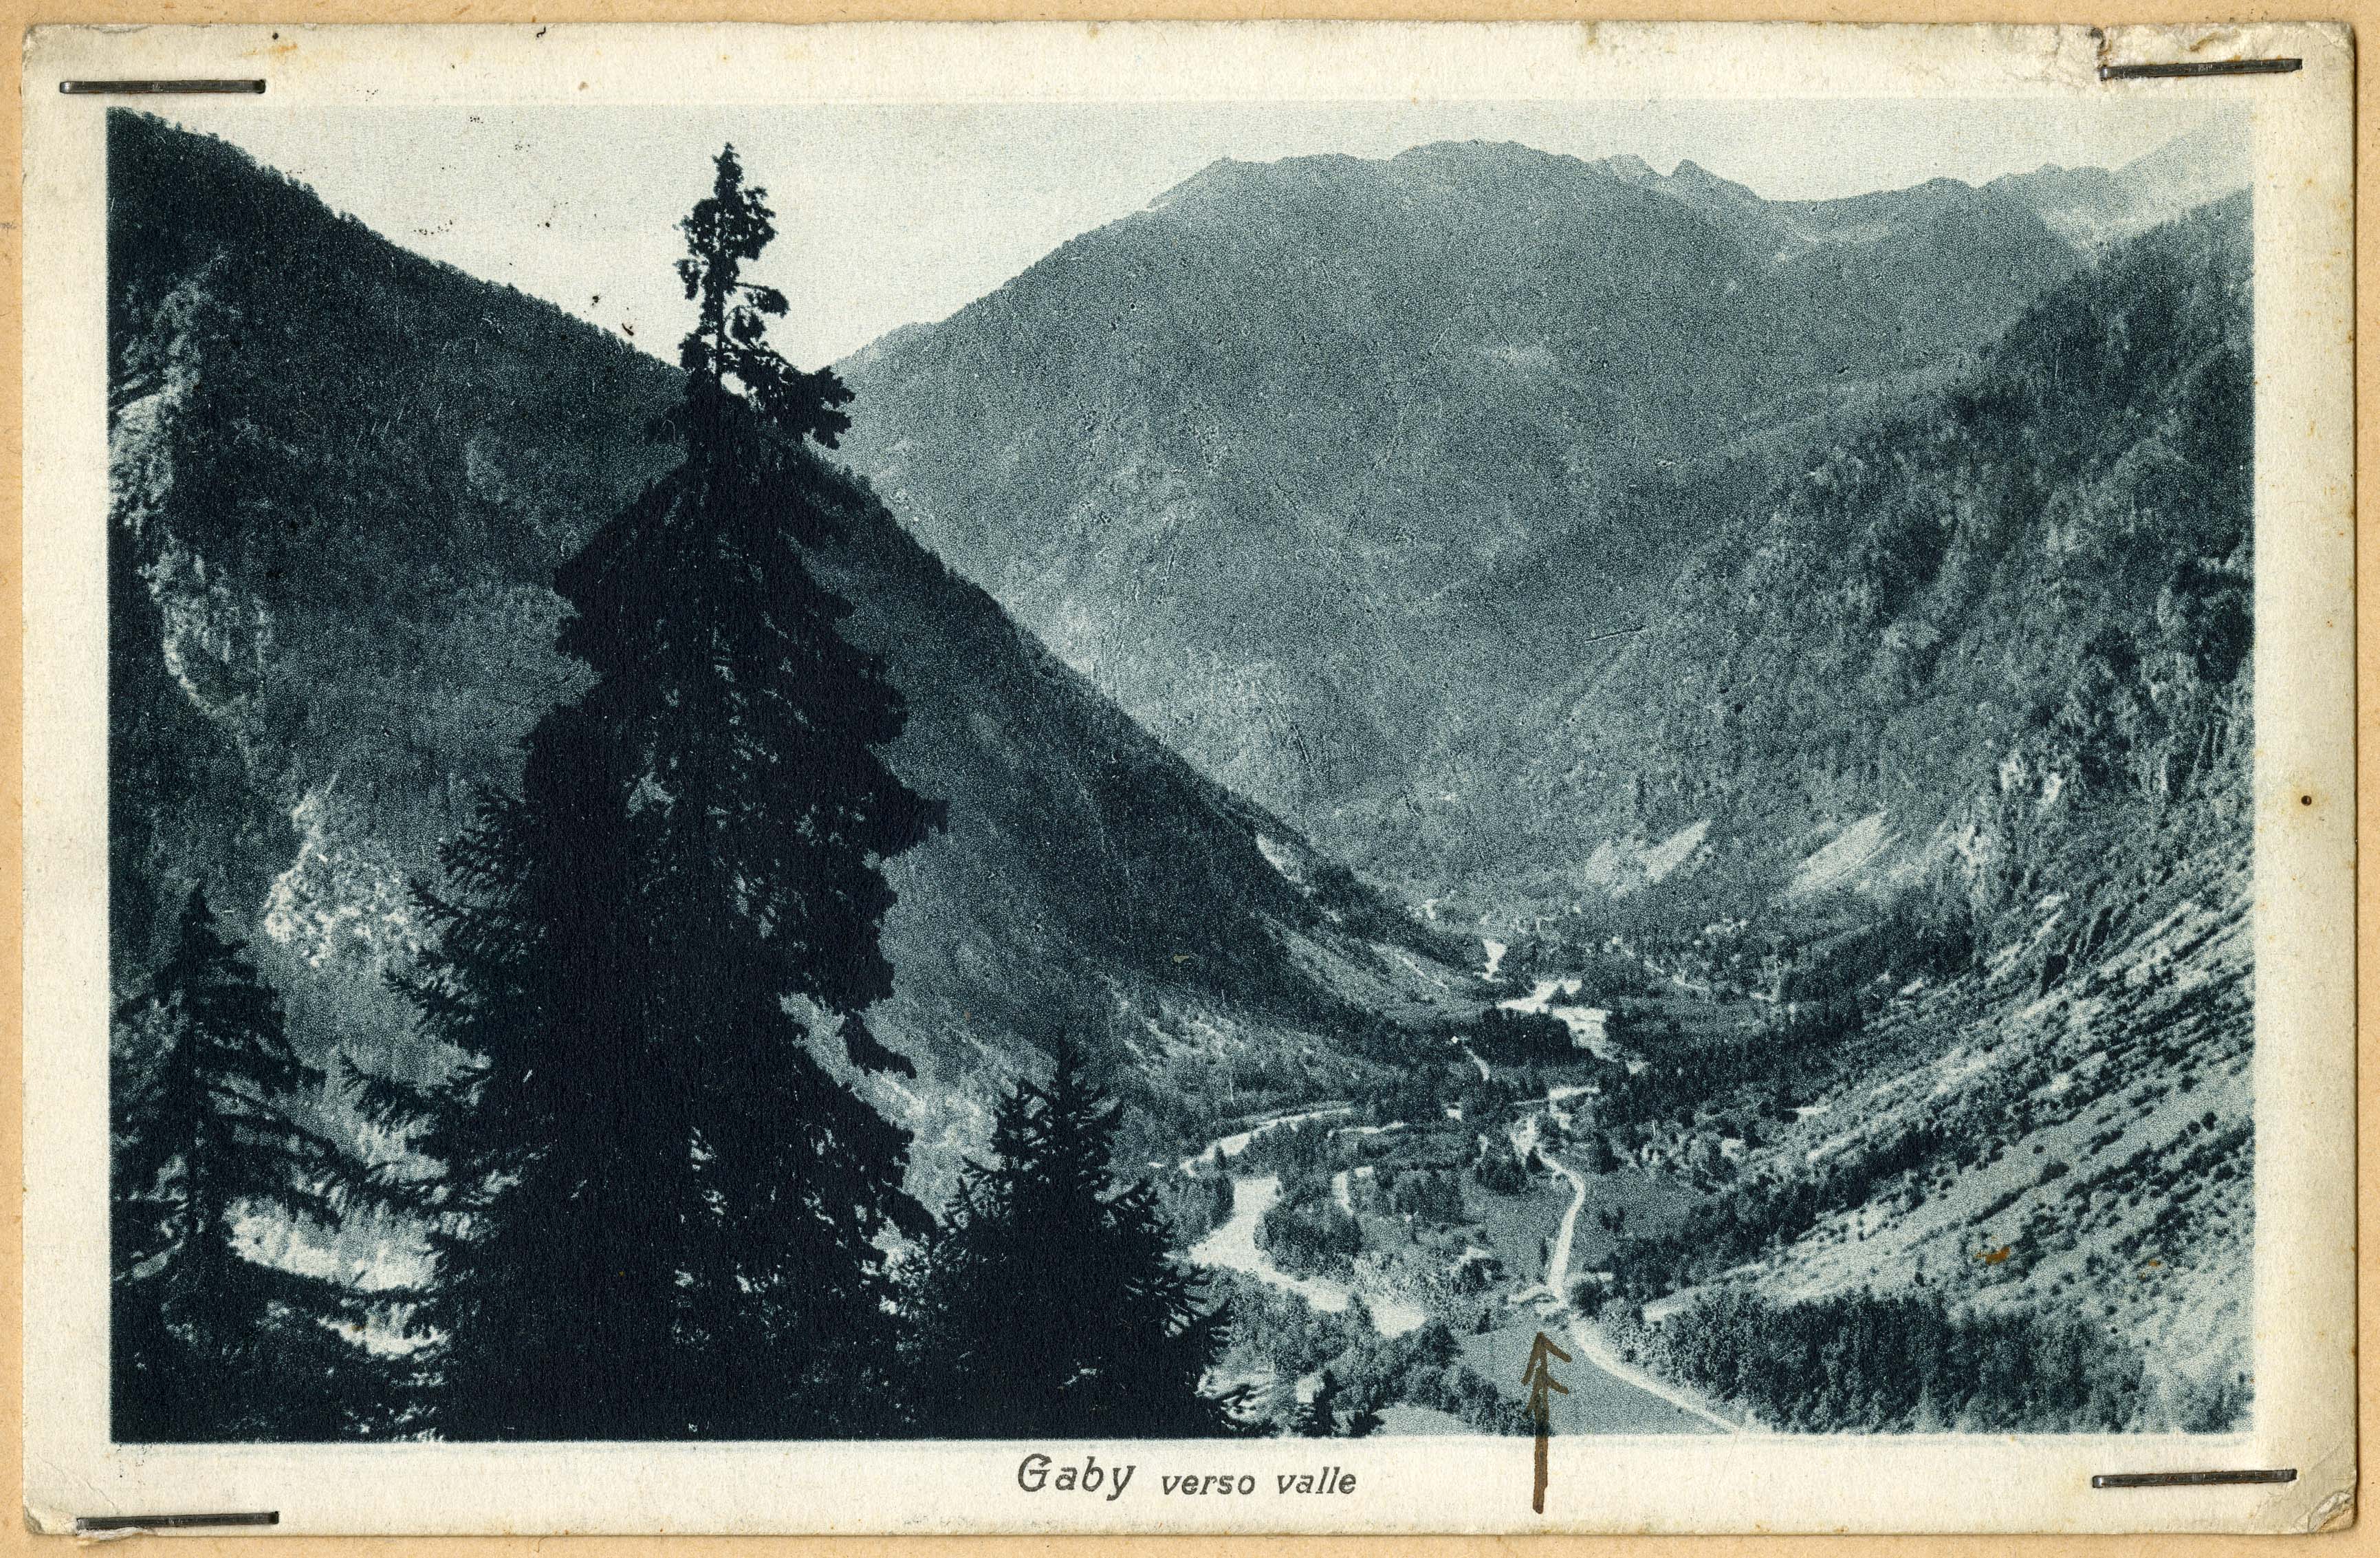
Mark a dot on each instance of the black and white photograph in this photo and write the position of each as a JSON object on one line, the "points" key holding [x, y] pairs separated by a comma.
{"points": [[1475, 771]]}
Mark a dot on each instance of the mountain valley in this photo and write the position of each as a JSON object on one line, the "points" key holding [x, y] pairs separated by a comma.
{"points": [[1578, 746]]}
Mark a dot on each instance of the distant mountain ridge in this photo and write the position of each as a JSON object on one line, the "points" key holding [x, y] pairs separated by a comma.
{"points": [[342, 476], [1242, 457], [2095, 207]]}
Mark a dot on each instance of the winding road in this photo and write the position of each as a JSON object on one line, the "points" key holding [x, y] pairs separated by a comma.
{"points": [[1615, 1405], [1553, 1299], [1234, 1245]]}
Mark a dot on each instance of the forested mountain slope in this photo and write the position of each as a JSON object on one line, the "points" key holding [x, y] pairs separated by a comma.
{"points": [[1997, 634], [1940, 752], [1246, 456], [343, 476]]}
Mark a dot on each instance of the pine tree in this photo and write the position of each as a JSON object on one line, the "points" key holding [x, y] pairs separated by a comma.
{"points": [[1319, 1417], [1051, 1306], [664, 1209], [206, 1344], [1364, 1418]]}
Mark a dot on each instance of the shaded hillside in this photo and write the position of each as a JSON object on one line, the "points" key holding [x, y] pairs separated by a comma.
{"points": [[1998, 628], [1242, 456], [1922, 787], [2040, 1119], [2097, 1145], [1893, 276], [343, 476], [1938, 756]]}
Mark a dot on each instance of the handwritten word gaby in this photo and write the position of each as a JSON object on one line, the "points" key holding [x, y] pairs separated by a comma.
{"points": [[1033, 1475]]}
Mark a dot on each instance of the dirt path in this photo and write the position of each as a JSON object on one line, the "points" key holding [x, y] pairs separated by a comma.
{"points": [[1557, 1283], [1234, 1245], [1558, 1259], [1594, 1349], [1591, 1346]]}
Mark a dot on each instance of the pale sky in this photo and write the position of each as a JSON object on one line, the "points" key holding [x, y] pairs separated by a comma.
{"points": [[888, 214]]}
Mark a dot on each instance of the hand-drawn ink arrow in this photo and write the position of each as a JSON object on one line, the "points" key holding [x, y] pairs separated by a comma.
{"points": [[1538, 1377]]}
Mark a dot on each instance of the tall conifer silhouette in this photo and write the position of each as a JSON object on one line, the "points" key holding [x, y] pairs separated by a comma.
{"points": [[206, 1344], [665, 1208], [1053, 1306]]}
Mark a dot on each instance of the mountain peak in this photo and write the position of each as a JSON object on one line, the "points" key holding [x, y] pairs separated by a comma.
{"points": [[1693, 182], [2095, 206], [1085, 870], [1403, 371], [1502, 151]]}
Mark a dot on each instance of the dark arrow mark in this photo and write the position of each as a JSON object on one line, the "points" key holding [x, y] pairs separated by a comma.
{"points": [[1538, 1377]]}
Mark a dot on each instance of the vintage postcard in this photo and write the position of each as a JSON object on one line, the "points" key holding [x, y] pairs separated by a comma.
{"points": [[1163, 777]]}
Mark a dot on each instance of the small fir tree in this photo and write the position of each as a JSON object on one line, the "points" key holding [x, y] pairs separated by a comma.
{"points": [[1319, 1416], [1364, 1418], [1051, 1305], [206, 1344], [666, 1211]]}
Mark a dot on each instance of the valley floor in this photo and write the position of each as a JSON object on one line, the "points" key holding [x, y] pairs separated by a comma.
{"points": [[1607, 1393], [1964, 1170]]}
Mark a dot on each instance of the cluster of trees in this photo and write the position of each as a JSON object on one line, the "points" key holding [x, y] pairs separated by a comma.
{"points": [[1177, 1101], [1196, 1204], [1306, 1231], [1333, 1411], [1415, 1075], [1050, 1303], [206, 1344], [1519, 1038], [1908, 1362], [1762, 1070], [1432, 1196], [1500, 1170], [1300, 1150], [1045, 1301], [1462, 1392], [1274, 1328], [1359, 1369], [1606, 977], [1410, 1075], [1423, 1366], [1765, 1212], [654, 1210], [1406, 1096]]}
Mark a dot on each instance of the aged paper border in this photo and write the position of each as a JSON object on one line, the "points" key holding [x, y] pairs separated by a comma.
{"points": [[2307, 837]]}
